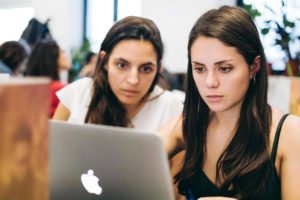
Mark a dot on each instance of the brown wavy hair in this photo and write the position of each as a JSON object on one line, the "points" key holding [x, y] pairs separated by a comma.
{"points": [[43, 60], [105, 108], [244, 164]]}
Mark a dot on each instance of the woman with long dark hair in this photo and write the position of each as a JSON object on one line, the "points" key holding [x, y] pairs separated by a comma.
{"points": [[124, 90], [228, 130]]}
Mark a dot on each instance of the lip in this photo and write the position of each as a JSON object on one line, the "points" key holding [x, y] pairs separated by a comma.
{"points": [[131, 92], [214, 98]]}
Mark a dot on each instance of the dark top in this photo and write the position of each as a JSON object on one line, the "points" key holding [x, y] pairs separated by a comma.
{"points": [[201, 186]]}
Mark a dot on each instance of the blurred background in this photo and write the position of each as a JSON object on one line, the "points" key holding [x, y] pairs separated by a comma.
{"points": [[78, 27]]}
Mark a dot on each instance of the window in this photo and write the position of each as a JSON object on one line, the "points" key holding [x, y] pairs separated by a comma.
{"points": [[100, 17], [274, 53], [13, 22], [99, 20], [125, 8]]}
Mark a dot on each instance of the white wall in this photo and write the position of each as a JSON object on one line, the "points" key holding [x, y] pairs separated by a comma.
{"points": [[66, 16], [175, 19], [66, 23], [14, 3]]}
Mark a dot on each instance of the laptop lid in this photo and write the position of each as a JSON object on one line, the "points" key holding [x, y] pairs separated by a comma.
{"points": [[104, 162]]}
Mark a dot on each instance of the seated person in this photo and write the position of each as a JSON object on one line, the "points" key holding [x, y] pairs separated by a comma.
{"points": [[13, 58], [47, 59], [88, 68], [123, 91], [236, 145]]}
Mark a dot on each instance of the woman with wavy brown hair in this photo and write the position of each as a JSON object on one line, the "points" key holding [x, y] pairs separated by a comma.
{"points": [[124, 90], [228, 130]]}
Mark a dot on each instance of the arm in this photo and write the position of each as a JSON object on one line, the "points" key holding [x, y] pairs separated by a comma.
{"points": [[62, 113], [171, 134], [290, 161]]}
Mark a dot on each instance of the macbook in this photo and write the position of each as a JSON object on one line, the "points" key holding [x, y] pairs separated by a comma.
{"points": [[104, 162]]}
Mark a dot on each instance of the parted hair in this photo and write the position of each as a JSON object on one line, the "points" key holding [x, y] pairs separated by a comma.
{"points": [[244, 165], [104, 107]]}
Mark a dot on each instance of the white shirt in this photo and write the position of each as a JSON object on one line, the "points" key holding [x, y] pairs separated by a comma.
{"points": [[154, 114]]}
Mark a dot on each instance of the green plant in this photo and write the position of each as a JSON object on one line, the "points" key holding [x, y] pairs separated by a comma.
{"points": [[285, 29], [78, 56]]}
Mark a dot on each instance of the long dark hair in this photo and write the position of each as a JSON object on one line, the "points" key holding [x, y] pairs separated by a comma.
{"points": [[244, 164], [43, 60], [105, 108]]}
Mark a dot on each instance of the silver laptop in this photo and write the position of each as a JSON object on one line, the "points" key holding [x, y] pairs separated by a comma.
{"points": [[104, 162]]}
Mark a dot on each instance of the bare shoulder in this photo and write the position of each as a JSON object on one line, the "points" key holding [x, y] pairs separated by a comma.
{"points": [[288, 163], [290, 132]]}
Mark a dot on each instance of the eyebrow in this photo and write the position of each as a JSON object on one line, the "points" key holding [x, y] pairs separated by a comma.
{"points": [[216, 63], [126, 61], [121, 59]]}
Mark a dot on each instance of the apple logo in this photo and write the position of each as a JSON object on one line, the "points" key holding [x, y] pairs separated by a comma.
{"points": [[90, 182]]}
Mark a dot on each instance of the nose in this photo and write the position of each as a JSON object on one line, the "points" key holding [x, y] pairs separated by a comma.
{"points": [[211, 80], [133, 78]]}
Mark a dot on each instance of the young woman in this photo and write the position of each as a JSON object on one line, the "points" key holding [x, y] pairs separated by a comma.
{"points": [[236, 144], [48, 59], [123, 91]]}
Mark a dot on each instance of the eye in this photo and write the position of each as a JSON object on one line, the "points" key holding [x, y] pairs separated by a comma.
{"points": [[225, 69], [199, 69], [122, 65], [146, 69]]}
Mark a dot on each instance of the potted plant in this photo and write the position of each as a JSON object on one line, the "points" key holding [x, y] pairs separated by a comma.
{"points": [[285, 33]]}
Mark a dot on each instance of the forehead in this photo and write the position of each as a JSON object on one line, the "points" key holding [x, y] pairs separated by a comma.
{"points": [[212, 49], [134, 50]]}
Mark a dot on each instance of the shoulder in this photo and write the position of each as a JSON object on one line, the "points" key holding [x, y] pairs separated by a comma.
{"points": [[79, 85], [289, 141], [165, 103], [86, 81], [291, 132], [288, 163], [56, 85], [166, 96]]}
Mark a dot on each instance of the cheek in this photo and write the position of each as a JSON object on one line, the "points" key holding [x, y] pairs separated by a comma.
{"points": [[198, 81], [239, 85], [148, 80], [113, 78]]}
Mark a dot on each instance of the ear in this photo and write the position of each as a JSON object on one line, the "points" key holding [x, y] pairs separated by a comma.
{"points": [[255, 66], [101, 56]]}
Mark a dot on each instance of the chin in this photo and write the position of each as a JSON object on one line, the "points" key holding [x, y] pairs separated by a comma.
{"points": [[129, 102], [217, 108]]}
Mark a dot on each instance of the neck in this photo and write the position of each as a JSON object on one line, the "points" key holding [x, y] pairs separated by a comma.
{"points": [[225, 122], [132, 110]]}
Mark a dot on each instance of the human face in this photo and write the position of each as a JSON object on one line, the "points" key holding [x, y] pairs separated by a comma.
{"points": [[221, 74], [131, 69]]}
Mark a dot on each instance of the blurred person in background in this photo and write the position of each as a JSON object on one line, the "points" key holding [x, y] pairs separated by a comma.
{"points": [[88, 68], [47, 59], [13, 57]]}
